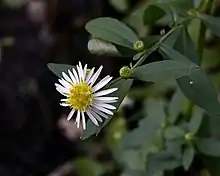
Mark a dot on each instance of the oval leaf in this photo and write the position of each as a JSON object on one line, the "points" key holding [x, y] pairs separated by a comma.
{"points": [[152, 14], [188, 155], [174, 133], [196, 119], [112, 30], [161, 71], [57, 69], [209, 147]]}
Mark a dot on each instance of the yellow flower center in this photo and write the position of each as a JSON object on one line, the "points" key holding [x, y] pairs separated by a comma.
{"points": [[80, 96]]}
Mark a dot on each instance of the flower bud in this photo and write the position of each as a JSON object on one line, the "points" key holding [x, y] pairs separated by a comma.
{"points": [[126, 72], [139, 46], [189, 137]]}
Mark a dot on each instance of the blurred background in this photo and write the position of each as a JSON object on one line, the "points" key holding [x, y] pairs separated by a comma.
{"points": [[36, 139]]}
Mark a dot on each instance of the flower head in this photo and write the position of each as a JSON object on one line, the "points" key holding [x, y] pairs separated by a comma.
{"points": [[83, 95]]}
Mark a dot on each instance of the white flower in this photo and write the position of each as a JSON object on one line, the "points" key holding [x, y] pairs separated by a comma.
{"points": [[84, 97]]}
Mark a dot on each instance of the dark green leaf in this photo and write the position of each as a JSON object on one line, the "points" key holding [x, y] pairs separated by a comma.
{"points": [[188, 155], [198, 88], [150, 40], [191, 85], [171, 39], [209, 146], [181, 7], [161, 161], [185, 46], [174, 132], [196, 120], [123, 88], [162, 71], [152, 14], [112, 30], [213, 23], [177, 56], [57, 69]]}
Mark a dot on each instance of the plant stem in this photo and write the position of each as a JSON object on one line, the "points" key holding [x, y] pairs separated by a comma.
{"points": [[153, 48], [202, 32]]}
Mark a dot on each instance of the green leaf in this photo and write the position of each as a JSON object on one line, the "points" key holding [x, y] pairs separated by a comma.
{"points": [[174, 132], [176, 106], [181, 7], [161, 161], [213, 23], [191, 85], [57, 69], [162, 71], [123, 88], [185, 45], [198, 88], [101, 47], [150, 40], [171, 39], [152, 14], [209, 146], [176, 56], [112, 30], [188, 155], [196, 119]]}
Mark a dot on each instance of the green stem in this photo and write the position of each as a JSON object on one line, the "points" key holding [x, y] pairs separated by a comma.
{"points": [[202, 32], [153, 48]]}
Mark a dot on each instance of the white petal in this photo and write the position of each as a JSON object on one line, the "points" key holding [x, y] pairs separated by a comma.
{"points": [[71, 114], [64, 104], [65, 100], [81, 70], [104, 105], [107, 101], [61, 88], [104, 110], [64, 83], [95, 76], [84, 72], [96, 115], [102, 83], [105, 98], [100, 113], [78, 118], [66, 77], [60, 92], [76, 75], [90, 75], [93, 119], [83, 120], [105, 92], [72, 77]]}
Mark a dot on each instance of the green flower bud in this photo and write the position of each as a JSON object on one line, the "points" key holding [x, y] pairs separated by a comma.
{"points": [[126, 72], [117, 135], [193, 13], [189, 137], [139, 45]]}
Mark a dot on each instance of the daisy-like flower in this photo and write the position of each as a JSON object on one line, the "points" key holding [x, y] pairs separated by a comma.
{"points": [[84, 96]]}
